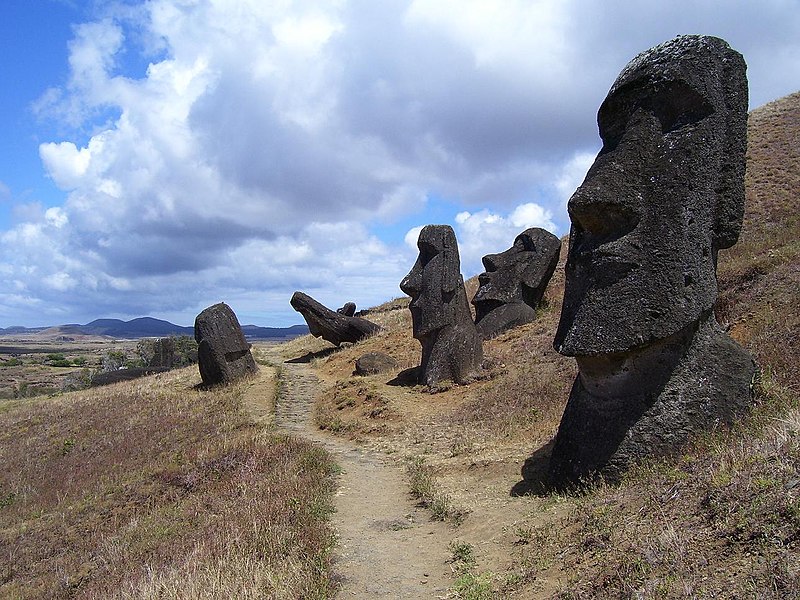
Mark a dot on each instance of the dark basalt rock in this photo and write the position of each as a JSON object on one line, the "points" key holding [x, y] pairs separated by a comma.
{"points": [[348, 310], [331, 325], [223, 353], [514, 282], [451, 345], [373, 363], [664, 195]]}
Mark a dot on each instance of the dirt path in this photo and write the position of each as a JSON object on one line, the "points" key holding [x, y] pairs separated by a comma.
{"points": [[388, 547]]}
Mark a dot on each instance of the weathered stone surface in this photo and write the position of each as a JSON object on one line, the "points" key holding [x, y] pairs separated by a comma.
{"points": [[348, 310], [514, 282], [373, 363], [664, 195], [451, 345], [330, 325], [223, 353]]}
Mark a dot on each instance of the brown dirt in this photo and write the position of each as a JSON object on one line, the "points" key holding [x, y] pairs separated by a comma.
{"points": [[259, 396], [388, 546], [475, 464]]}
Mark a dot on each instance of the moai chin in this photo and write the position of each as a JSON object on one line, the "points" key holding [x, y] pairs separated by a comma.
{"points": [[514, 282], [451, 346], [664, 195]]}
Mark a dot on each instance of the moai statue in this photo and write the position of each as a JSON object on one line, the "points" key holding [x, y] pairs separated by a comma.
{"points": [[451, 345], [514, 282], [331, 325], [223, 354], [664, 195]]}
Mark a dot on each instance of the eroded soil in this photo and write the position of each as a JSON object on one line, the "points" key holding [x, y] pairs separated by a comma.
{"points": [[388, 545]]}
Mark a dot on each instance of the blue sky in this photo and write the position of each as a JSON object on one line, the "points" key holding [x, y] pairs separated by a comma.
{"points": [[34, 37], [161, 156]]}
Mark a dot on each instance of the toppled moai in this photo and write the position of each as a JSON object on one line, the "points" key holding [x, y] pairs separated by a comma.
{"points": [[223, 354], [664, 195], [331, 325], [514, 282], [451, 345]]}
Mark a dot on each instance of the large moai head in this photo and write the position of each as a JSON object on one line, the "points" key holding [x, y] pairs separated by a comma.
{"points": [[434, 280], [514, 281], [442, 322], [664, 194]]}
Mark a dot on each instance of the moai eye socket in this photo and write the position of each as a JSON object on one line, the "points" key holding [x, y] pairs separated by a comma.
{"points": [[678, 105], [427, 252], [605, 220], [675, 104], [615, 113], [525, 242]]}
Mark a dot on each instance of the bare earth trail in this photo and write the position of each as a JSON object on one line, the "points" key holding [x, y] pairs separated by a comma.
{"points": [[388, 546]]}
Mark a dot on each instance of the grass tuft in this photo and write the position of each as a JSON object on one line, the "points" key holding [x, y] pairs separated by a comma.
{"points": [[469, 585], [424, 488]]}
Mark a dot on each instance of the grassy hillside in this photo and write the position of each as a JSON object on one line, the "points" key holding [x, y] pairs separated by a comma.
{"points": [[721, 520], [154, 488]]}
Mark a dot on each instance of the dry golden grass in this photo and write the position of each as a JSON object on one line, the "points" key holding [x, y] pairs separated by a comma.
{"points": [[155, 488]]}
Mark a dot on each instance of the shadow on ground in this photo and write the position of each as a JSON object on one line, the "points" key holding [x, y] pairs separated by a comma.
{"points": [[406, 378], [309, 356], [536, 479], [535, 476]]}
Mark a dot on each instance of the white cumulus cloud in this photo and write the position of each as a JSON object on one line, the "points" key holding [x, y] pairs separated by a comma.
{"points": [[485, 232], [265, 142]]}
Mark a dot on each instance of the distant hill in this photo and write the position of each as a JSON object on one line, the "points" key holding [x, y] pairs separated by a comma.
{"points": [[150, 327], [17, 329], [135, 328]]}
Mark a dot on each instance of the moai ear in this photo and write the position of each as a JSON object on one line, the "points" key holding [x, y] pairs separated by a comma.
{"points": [[729, 209], [451, 264], [532, 276], [452, 276]]}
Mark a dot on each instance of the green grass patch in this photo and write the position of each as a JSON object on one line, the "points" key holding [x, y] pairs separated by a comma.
{"points": [[424, 488]]}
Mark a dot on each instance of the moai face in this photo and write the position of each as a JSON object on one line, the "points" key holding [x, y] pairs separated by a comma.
{"points": [[517, 275], [664, 194], [433, 280], [501, 283]]}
